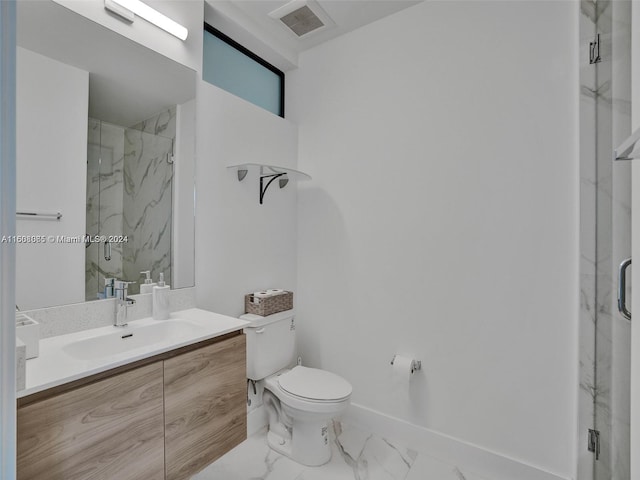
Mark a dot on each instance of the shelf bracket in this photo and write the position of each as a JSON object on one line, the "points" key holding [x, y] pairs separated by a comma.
{"points": [[267, 174], [263, 188]]}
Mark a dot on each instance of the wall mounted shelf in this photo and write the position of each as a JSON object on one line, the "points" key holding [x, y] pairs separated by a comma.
{"points": [[267, 174]]}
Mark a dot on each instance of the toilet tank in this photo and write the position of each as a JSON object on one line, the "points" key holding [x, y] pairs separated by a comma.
{"points": [[271, 343]]}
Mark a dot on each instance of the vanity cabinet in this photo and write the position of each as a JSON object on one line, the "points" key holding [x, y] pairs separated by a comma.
{"points": [[112, 428], [164, 417], [205, 406]]}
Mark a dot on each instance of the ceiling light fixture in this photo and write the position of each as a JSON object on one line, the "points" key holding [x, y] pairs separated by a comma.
{"points": [[128, 8]]}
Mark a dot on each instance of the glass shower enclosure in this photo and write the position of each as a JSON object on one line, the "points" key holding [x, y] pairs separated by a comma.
{"points": [[129, 205], [605, 240]]}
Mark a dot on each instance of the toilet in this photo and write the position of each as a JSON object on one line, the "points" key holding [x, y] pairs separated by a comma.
{"points": [[300, 401]]}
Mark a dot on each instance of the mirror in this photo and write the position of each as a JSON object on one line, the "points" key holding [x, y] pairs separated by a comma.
{"points": [[105, 160]]}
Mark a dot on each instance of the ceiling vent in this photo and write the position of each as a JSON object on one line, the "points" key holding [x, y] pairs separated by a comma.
{"points": [[302, 17]]}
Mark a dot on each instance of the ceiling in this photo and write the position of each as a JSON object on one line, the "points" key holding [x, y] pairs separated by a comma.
{"points": [[124, 86], [348, 15], [250, 18]]}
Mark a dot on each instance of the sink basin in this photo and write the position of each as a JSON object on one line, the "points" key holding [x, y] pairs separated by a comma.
{"points": [[130, 338]]}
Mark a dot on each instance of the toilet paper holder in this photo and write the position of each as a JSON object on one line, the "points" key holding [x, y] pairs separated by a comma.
{"points": [[415, 364]]}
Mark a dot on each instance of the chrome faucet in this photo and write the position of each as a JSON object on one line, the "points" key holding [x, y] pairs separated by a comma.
{"points": [[122, 303]]}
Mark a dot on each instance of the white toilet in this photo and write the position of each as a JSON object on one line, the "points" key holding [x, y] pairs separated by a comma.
{"points": [[300, 401]]}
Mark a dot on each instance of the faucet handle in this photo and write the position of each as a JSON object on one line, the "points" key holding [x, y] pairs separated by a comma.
{"points": [[121, 286]]}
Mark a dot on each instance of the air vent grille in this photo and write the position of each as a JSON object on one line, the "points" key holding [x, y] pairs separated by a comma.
{"points": [[302, 21]]}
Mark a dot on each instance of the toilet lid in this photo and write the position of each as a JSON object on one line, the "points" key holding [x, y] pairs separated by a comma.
{"points": [[314, 384]]}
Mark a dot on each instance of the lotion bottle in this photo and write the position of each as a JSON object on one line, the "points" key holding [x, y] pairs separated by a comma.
{"points": [[147, 286], [160, 300]]}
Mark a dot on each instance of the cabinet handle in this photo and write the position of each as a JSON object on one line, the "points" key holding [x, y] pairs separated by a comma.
{"points": [[260, 330]]}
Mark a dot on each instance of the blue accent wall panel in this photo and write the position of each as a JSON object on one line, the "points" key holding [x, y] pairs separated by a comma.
{"points": [[228, 68]]}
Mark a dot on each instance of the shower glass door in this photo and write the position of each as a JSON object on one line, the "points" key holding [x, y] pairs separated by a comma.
{"points": [[605, 238], [105, 194], [129, 205]]}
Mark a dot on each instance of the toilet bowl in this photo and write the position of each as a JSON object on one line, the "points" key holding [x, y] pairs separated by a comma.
{"points": [[301, 401], [308, 399]]}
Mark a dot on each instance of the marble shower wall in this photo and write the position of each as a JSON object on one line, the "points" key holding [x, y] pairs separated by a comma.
{"points": [[605, 240], [148, 196], [129, 192], [163, 124]]}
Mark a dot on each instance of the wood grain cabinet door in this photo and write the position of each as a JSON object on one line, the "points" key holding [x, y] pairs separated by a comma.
{"points": [[205, 406], [107, 430]]}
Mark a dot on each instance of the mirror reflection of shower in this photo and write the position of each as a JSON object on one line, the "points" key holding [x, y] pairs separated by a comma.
{"points": [[129, 201]]}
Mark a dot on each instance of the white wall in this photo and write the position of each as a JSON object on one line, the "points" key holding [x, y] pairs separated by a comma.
{"points": [[189, 13], [52, 116], [182, 236], [241, 246], [442, 221]]}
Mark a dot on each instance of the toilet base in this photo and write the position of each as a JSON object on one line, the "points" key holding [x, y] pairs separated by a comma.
{"points": [[308, 445], [311, 442], [278, 443]]}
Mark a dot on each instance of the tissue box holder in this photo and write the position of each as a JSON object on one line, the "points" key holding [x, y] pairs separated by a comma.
{"points": [[268, 305], [28, 331]]}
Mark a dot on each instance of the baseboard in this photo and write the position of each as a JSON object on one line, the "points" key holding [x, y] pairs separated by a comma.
{"points": [[476, 459], [256, 420]]}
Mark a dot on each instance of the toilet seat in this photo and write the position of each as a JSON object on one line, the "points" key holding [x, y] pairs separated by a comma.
{"points": [[314, 385]]}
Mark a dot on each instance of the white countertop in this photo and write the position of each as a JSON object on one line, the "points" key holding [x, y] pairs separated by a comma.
{"points": [[56, 366]]}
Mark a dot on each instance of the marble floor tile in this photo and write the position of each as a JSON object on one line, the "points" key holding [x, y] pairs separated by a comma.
{"points": [[252, 460], [356, 455], [429, 468], [371, 456]]}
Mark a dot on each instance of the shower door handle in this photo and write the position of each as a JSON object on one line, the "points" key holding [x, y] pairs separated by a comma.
{"points": [[107, 250], [622, 288]]}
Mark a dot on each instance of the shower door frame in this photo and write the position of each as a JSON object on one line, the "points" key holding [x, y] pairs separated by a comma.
{"points": [[605, 240], [635, 274]]}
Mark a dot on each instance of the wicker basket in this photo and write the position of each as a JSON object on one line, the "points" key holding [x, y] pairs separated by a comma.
{"points": [[268, 305]]}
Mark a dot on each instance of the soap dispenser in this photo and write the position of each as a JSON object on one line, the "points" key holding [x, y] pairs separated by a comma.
{"points": [[147, 286], [160, 300]]}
